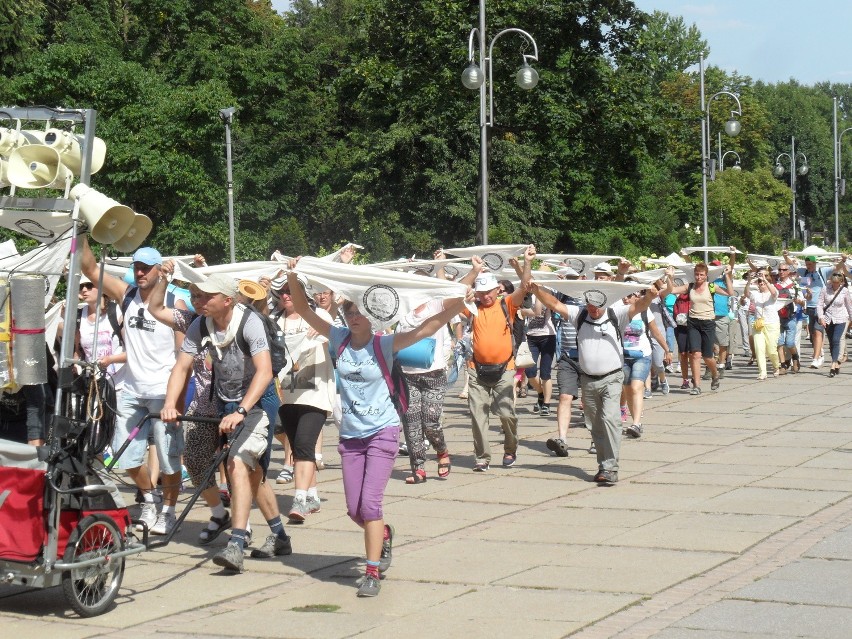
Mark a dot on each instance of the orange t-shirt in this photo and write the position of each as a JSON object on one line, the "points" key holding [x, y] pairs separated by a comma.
{"points": [[492, 336]]}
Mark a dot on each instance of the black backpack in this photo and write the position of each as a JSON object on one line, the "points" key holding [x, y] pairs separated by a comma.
{"points": [[274, 337]]}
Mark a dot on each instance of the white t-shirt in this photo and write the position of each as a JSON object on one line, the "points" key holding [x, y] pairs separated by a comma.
{"points": [[443, 342], [310, 382], [150, 349], [108, 344], [765, 307], [600, 349], [635, 337]]}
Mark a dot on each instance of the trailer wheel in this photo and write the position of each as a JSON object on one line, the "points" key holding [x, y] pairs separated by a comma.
{"points": [[92, 589]]}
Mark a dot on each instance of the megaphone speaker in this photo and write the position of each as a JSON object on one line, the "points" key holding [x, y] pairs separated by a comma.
{"points": [[10, 139], [108, 220], [137, 234], [69, 145], [37, 167]]}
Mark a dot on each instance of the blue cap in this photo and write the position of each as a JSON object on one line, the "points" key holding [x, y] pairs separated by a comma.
{"points": [[148, 255]]}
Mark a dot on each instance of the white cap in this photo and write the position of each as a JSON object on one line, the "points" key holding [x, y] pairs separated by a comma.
{"points": [[603, 267], [485, 282]]}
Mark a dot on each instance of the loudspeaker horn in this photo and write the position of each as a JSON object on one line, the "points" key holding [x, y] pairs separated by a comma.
{"points": [[68, 146], [108, 220], [10, 139], [133, 239], [35, 166]]}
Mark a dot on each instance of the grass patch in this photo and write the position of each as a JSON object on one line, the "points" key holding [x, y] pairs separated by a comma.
{"points": [[317, 608]]}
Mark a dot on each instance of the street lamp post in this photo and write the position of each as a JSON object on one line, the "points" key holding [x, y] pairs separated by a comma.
{"points": [[480, 77], [794, 171], [732, 128], [839, 182], [227, 116]]}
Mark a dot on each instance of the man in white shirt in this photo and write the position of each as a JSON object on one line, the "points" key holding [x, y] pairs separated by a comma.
{"points": [[150, 347], [601, 360]]}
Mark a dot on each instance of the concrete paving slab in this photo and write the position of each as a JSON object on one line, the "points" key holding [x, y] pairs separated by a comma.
{"points": [[840, 459], [774, 619], [704, 531], [617, 569], [808, 581], [642, 496], [772, 501], [695, 633], [706, 435], [651, 450], [836, 546], [806, 478], [505, 488], [769, 455]]}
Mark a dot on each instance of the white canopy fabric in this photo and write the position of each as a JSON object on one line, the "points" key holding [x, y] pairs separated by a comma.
{"points": [[612, 291], [495, 256], [583, 264]]}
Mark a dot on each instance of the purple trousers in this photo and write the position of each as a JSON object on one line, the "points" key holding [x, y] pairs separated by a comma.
{"points": [[367, 464]]}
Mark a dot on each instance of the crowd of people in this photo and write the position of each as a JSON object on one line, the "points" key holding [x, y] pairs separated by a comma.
{"points": [[222, 359]]}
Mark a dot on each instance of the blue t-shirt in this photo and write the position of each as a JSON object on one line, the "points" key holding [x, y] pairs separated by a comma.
{"points": [[721, 303], [364, 394], [814, 282]]}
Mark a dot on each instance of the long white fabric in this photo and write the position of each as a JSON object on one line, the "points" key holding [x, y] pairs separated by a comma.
{"points": [[495, 256], [383, 296], [583, 264], [612, 291]]}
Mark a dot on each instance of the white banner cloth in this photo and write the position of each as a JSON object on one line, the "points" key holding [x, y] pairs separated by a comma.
{"points": [[383, 296]]}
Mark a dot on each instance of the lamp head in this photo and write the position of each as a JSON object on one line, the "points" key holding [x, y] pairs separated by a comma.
{"points": [[227, 114], [733, 127], [736, 167], [526, 77], [778, 171], [472, 77], [802, 169]]}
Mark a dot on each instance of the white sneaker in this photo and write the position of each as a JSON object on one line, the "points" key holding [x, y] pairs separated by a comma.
{"points": [[313, 503], [817, 362], [148, 516], [165, 523]]}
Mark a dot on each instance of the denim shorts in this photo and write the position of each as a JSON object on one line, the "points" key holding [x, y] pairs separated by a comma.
{"points": [[636, 370], [167, 437]]}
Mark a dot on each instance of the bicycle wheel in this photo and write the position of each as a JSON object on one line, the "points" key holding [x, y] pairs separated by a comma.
{"points": [[91, 590]]}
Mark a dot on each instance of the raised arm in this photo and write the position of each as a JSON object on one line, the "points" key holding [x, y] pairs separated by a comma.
{"points": [[303, 308], [520, 293], [642, 303], [472, 274], [432, 325], [114, 288], [157, 298], [548, 299]]}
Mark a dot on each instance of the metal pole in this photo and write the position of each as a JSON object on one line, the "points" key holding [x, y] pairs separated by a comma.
{"points": [[836, 183], [483, 130], [227, 116], [705, 134], [793, 181]]}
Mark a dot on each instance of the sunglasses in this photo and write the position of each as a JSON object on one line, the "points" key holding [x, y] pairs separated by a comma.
{"points": [[87, 286]]}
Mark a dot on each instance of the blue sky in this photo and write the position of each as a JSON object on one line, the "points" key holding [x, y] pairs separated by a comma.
{"points": [[769, 40]]}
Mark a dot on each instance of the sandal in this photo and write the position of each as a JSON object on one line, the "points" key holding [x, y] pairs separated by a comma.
{"points": [[445, 466], [209, 534], [418, 477]]}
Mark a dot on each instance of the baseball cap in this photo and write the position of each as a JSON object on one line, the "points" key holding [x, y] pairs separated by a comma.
{"points": [[810, 258], [567, 271], [148, 255], [252, 290], [715, 263], [219, 283], [485, 282], [603, 267]]}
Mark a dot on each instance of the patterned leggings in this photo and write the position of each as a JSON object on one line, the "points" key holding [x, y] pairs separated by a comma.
{"points": [[423, 419], [202, 442]]}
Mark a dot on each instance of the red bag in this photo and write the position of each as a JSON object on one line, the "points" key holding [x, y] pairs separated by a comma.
{"points": [[22, 523]]}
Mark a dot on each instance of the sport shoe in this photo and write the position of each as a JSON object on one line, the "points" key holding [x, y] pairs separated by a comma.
{"points": [[648, 393], [164, 525], [285, 476], [536, 408], [403, 449], [558, 446], [728, 365], [817, 362], [148, 516], [480, 467], [313, 503], [670, 369], [544, 411], [592, 449], [272, 547], [299, 511], [706, 375], [664, 388], [606, 477], [230, 557], [509, 460], [684, 385], [714, 385], [624, 413], [370, 586], [634, 431], [695, 390], [387, 551]]}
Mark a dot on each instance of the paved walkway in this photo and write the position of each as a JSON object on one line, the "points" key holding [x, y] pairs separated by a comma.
{"points": [[732, 519]]}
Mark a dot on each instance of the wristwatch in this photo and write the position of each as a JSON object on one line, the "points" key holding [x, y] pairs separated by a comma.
{"points": [[242, 411]]}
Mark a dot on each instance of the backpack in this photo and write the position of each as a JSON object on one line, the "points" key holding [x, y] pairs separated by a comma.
{"points": [[789, 293], [112, 316], [582, 318], [683, 304], [274, 337], [394, 377]]}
